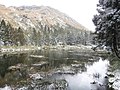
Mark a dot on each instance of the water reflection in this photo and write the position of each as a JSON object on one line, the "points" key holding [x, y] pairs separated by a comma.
{"points": [[54, 69], [92, 79]]}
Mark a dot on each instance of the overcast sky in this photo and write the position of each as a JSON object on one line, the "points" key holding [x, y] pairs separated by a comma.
{"points": [[80, 10]]}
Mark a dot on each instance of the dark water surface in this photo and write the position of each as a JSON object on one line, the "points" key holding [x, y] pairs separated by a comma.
{"points": [[58, 69]]}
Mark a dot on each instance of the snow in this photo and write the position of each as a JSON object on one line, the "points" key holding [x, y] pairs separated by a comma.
{"points": [[6, 88], [17, 49], [23, 88], [61, 22], [36, 56], [30, 23], [36, 76], [39, 17]]}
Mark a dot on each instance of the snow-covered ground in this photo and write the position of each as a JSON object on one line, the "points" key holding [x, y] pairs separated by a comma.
{"points": [[17, 49], [81, 48]]}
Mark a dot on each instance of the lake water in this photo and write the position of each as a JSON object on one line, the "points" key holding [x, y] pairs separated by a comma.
{"points": [[59, 69]]}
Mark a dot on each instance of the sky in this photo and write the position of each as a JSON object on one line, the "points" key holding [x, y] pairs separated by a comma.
{"points": [[80, 10]]}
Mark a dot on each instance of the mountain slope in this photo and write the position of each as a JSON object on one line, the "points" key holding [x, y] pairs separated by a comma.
{"points": [[39, 25]]}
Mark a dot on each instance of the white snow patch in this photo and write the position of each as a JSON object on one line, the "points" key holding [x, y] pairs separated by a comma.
{"points": [[6, 88]]}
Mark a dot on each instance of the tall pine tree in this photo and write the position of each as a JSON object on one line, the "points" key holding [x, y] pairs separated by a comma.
{"points": [[107, 23], [5, 33]]}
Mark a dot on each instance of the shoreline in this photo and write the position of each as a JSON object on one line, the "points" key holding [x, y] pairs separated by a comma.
{"points": [[17, 49], [12, 49]]}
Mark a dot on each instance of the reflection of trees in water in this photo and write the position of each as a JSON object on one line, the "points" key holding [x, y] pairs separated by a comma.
{"points": [[6, 61], [60, 58], [48, 64]]}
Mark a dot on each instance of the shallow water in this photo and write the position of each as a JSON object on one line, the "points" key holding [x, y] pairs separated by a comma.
{"points": [[56, 69]]}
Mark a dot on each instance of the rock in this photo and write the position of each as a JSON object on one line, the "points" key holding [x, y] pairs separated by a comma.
{"points": [[35, 76], [14, 68], [59, 85], [40, 64], [94, 82], [76, 65], [109, 74], [65, 72]]}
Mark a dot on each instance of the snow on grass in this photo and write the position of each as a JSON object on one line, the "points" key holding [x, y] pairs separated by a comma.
{"points": [[17, 48]]}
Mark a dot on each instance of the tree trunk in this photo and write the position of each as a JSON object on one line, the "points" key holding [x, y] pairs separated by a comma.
{"points": [[115, 45]]}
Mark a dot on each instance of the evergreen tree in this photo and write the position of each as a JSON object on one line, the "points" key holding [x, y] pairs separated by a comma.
{"points": [[107, 24], [9, 33], [2, 31], [20, 38], [5, 33], [36, 37]]}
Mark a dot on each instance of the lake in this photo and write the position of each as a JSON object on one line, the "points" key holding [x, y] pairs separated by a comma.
{"points": [[59, 69]]}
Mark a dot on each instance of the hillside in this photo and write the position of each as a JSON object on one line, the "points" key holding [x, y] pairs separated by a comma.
{"points": [[39, 25]]}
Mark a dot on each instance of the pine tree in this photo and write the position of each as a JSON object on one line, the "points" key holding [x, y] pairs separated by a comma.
{"points": [[36, 37], [107, 24], [5, 30], [21, 38]]}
